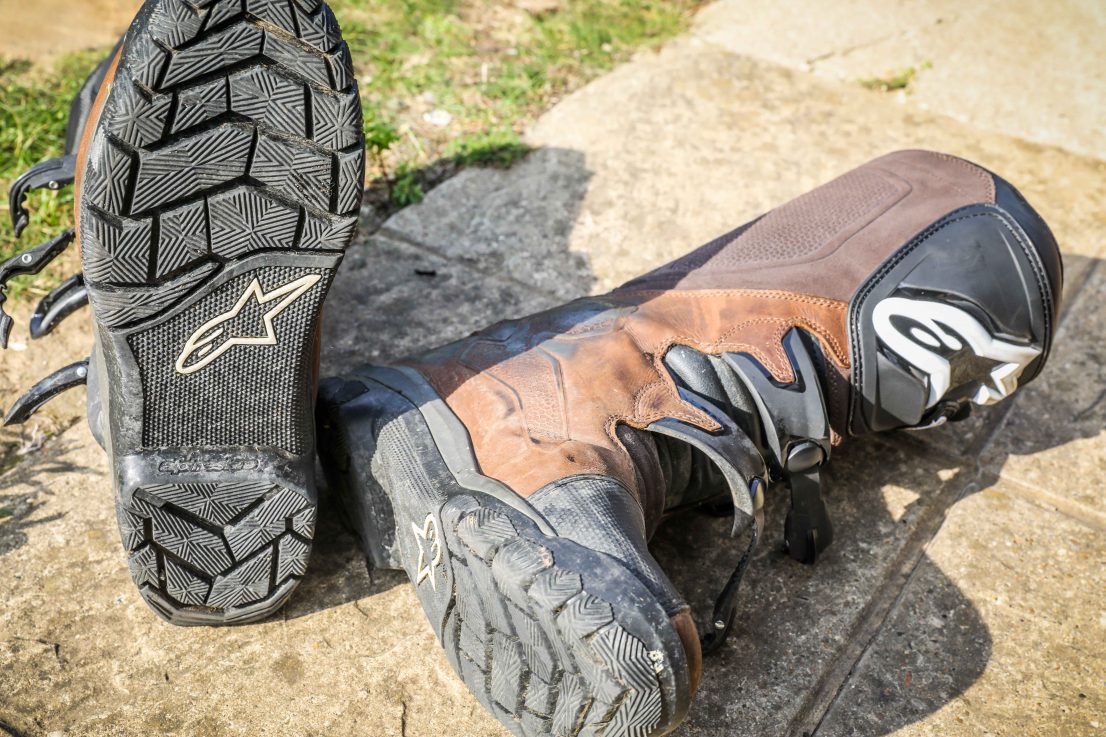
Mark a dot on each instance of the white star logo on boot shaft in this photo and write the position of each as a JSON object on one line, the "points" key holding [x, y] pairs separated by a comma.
{"points": [[925, 332]]}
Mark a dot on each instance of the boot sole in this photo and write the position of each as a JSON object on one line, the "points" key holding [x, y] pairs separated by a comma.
{"points": [[551, 637], [223, 182]]}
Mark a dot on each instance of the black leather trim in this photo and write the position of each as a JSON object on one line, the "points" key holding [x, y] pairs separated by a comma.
{"points": [[966, 258]]}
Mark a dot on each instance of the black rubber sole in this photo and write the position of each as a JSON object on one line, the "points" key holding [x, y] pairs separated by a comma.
{"points": [[552, 638], [222, 183]]}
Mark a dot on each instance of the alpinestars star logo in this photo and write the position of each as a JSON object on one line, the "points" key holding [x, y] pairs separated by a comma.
{"points": [[430, 551], [204, 346], [926, 333]]}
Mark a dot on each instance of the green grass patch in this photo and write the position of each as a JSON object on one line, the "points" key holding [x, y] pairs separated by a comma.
{"points": [[893, 82], [445, 85], [498, 148], [34, 110], [460, 81]]}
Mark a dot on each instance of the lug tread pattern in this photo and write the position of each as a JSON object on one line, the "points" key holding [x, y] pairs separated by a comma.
{"points": [[118, 252], [218, 50], [320, 29], [263, 95], [327, 235], [215, 545], [221, 11], [240, 96], [200, 103], [245, 221], [337, 120], [122, 306], [139, 118], [201, 162], [183, 181], [542, 653], [289, 54], [183, 238], [296, 172], [175, 23], [278, 12], [106, 184]]}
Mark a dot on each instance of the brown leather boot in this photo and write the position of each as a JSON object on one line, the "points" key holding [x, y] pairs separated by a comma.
{"points": [[517, 475], [218, 176]]}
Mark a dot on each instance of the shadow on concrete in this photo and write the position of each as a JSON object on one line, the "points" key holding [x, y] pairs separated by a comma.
{"points": [[17, 511], [797, 625]]}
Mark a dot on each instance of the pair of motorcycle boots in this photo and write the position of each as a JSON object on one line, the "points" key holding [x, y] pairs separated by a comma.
{"points": [[516, 475]]}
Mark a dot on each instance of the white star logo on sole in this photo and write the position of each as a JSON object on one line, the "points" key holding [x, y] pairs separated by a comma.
{"points": [[200, 350], [430, 546]]}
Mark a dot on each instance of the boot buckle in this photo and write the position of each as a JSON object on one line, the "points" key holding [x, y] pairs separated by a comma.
{"points": [[808, 530], [51, 174], [31, 261]]}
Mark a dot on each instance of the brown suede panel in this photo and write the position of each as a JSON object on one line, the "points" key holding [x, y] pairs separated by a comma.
{"points": [[829, 240], [86, 137], [542, 397]]}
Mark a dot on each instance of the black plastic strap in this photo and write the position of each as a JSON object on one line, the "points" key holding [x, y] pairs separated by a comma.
{"points": [[807, 529], [75, 374], [31, 261], [725, 606], [51, 174], [60, 303]]}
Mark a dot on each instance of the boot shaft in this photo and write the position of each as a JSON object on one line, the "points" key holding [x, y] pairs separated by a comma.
{"points": [[893, 296]]}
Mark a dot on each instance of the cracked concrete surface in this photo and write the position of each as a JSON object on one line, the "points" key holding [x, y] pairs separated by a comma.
{"points": [[964, 594]]}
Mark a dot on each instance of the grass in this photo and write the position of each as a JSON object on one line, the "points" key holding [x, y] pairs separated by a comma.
{"points": [[34, 110], [894, 81], [445, 85]]}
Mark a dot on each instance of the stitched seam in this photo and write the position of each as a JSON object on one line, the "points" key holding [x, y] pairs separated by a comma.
{"points": [[840, 358], [762, 293], [975, 171]]}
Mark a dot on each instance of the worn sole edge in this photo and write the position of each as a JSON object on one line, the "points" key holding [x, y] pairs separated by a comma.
{"points": [[501, 547]]}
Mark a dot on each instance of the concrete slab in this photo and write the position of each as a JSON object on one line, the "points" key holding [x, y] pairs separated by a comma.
{"points": [[680, 146], [391, 299], [48, 29], [1053, 442], [1002, 627], [1028, 69], [517, 223]]}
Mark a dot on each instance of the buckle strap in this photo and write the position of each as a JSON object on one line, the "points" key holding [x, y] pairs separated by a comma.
{"points": [[31, 261], [725, 606], [807, 529], [60, 303], [797, 432], [50, 174], [73, 375]]}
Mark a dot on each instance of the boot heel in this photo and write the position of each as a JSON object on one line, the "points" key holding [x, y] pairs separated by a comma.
{"points": [[344, 408]]}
